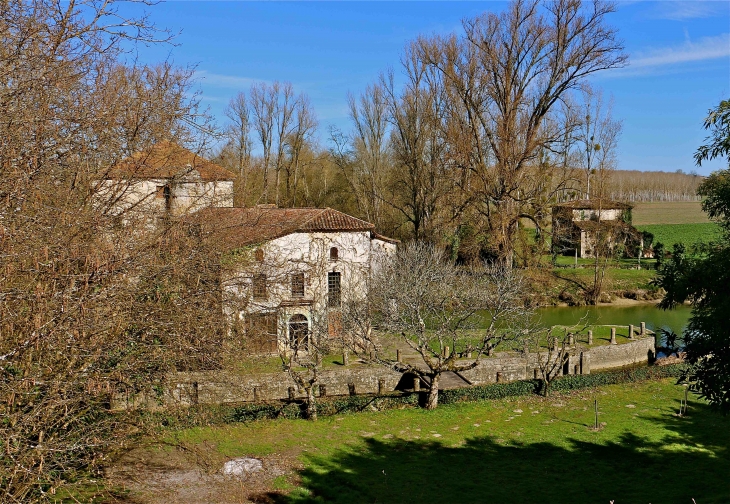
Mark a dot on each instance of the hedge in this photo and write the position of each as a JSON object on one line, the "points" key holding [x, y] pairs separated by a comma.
{"points": [[223, 414], [194, 416], [561, 384]]}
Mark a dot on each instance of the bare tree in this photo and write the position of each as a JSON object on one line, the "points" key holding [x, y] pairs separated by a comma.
{"points": [[284, 123], [88, 310], [597, 140], [423, 304], [551, 352], [239, 132], [371, 159], [297, 142], [596, 144], [302, 359], [264, 103], [505, 76], [418, 182]]}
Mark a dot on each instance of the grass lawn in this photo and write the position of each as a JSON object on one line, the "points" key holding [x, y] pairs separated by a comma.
{"points": [[615, 279], [519, 450]]}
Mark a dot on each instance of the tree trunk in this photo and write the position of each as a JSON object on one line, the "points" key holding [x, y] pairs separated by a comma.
{"points": [[546, 386], [433, 393], [311, 404]]}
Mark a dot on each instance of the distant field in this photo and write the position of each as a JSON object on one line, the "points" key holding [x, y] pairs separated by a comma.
{"points": [[668, 212], [669, 234]]}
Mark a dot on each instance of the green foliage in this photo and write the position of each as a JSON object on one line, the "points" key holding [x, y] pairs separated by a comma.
{"points": [[703, 279], [225, 414], [718, 143], [562, 384], [490, 392], [716, 191]]}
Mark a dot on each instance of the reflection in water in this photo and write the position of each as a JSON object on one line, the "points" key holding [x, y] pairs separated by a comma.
{"points": [[673, 320]]}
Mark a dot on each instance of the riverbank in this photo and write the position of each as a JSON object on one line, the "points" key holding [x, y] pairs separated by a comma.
{"points": [[568, 286], [616, 302], [631, 302]]}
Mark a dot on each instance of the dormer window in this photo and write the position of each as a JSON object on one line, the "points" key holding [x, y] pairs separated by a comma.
{"points": [[334, 254]]}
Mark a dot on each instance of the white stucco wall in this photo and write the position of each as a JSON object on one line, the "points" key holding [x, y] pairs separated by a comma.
{"points": [[595, 214], [145, 197], [307, 253]]}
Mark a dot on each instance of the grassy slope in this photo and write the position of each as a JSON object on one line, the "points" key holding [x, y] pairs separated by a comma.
{"points": [[518, 450], [669, 212], [674, 222]]}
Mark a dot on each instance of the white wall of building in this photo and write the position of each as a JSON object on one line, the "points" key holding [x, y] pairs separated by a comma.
{"points": [[148, 197], [307, 253], [596, 214]]}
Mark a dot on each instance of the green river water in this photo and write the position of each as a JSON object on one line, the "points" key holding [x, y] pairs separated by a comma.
{"points": [[674, 320]]}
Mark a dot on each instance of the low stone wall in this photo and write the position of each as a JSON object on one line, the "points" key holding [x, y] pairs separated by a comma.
{"points": [[613, 356], [218, 387], [507, 366]]}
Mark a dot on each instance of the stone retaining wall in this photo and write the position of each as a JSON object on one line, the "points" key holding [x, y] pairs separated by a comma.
{"points": [[509, 368], [222, 387], [217, 387], [612, 356]]}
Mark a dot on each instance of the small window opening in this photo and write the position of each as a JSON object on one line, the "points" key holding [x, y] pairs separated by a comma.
{"points": [[259, 255], [259, 286], [334, 254], [164, 192], [334, 289], [297, 285]]}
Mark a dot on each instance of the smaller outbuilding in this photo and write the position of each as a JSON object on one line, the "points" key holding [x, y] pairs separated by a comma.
{"points": [[165, 180], [583, 227]]}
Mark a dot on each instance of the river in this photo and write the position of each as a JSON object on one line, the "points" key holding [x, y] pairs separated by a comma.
{"points": [[674, 320]]}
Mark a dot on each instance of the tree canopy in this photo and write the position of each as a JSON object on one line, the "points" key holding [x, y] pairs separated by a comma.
{"points": [[718, 142], [703, 278]]}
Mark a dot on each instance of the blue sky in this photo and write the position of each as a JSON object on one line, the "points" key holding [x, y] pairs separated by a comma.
{"points": [[679, 60]]}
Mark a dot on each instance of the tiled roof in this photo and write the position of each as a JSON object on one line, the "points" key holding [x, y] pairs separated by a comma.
{"points": [[238, 227], [594, 204], [378, 236], [166, 160]]}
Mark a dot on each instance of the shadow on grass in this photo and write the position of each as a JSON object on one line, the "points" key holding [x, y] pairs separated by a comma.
{"points": [[630, 468]]}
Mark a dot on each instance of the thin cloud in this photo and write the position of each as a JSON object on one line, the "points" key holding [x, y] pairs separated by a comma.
{"points": [[706, 48], [680, 11], [225, 81], [671, 59]]}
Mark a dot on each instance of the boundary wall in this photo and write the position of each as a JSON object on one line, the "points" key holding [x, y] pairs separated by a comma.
{"points": [[218, 387]]}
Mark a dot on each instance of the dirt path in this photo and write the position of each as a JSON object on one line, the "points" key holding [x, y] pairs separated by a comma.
{"points": [[171, 475]]}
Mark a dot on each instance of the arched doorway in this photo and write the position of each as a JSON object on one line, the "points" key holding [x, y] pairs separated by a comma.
{"points": [[298, 332]]}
